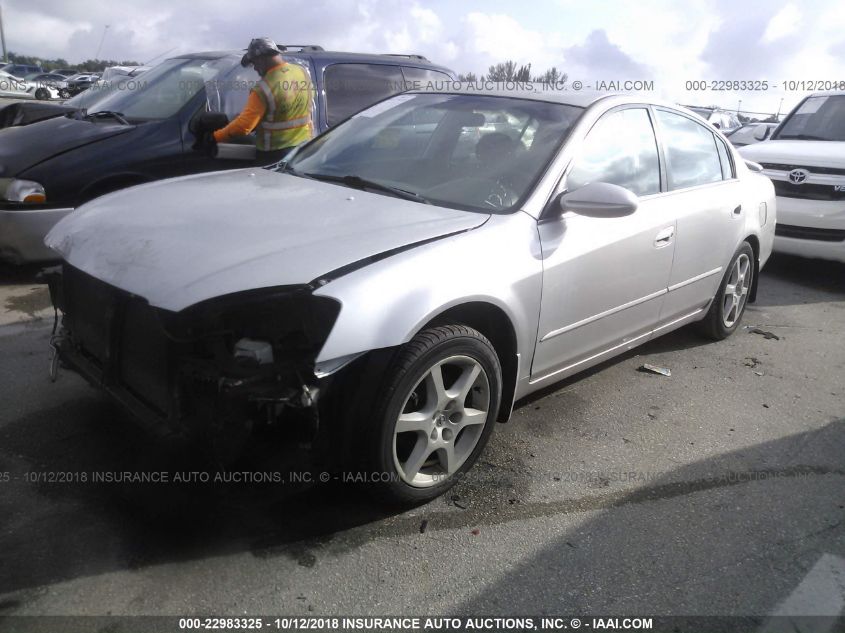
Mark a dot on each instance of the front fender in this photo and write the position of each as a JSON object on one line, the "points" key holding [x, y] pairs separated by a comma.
{"points": [[386, 303]]}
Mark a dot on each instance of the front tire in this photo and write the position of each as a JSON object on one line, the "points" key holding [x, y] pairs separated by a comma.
{"points": [[731, 298], [42, 94], [436, 414]]}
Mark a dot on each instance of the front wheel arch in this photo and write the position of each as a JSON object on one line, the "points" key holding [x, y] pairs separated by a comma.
{"points": [[493, 323]]}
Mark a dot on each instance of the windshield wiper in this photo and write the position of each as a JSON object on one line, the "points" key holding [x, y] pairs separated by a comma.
{"points": [[356, 182], [802, 137], [118, 116]]}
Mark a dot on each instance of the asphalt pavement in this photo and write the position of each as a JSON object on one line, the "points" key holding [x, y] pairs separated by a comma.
{"points": [[717, 491]]}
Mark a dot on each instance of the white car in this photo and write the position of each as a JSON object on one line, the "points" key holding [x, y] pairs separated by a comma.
{"points": [[11, 86], [751, 133], [805, 158]]}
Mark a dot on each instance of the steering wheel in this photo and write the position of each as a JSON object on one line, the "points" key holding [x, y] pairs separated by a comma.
{"points": [[501, 196]]}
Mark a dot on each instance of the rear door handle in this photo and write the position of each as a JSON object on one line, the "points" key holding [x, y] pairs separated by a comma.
{"points": [[664, 238], [738, 210]]}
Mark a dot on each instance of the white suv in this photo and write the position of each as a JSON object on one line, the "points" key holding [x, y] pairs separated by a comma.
{"points": [[805, 158]]}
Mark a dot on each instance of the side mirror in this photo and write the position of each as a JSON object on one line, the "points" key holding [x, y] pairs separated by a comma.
{"points": [[599, 200], [207, 122], [755, 167]]}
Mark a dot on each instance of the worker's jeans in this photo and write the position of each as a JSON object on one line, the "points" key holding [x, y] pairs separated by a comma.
{"points": [[263, 159]]}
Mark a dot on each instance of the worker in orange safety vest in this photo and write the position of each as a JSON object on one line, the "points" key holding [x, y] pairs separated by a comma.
{"points": [[278, 106]]}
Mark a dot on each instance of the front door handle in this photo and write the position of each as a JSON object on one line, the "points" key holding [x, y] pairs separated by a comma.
{"points": [[664, 238]]}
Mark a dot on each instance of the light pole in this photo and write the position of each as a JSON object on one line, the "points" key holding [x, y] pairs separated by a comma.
{"points": [[780, 105], [102, 39], [3, 35], [738, 107]]}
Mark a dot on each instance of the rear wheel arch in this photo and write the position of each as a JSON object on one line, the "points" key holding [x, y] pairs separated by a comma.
{"points": [[754, 242]]}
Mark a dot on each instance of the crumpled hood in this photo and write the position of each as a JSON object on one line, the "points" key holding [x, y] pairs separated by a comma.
{"points": [[25, 146], [179, 242], [810, 153]]}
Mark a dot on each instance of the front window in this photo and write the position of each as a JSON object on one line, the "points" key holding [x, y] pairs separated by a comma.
{"points": [[620, 150], [163, 91], [480, 153], [816, 119]]}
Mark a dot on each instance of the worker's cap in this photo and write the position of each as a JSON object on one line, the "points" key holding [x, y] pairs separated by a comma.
{"points": [[259, 47]]}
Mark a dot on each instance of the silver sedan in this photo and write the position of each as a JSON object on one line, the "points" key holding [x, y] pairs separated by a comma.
{"points": [[391, 290]]}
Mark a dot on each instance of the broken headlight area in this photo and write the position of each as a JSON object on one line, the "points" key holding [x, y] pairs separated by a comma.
{"points": [[214, 371]]}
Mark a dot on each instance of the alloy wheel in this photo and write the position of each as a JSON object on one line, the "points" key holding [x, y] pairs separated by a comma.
{"points": [[441, 422], [736, 291]]}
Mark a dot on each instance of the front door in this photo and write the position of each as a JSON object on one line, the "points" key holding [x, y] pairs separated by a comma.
{"points": [[604, 279]]}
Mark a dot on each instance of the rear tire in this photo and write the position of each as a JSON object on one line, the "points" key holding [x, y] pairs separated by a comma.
{"points": [[42, 94], [731, 298], [435, 415]]}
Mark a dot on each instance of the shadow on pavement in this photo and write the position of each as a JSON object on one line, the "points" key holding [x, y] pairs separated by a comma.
{"points": [[748, 524], [793, 277], [706, 526]]}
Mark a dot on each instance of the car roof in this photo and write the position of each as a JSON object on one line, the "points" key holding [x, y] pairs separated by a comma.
{"points": [[581, 98], [828, 93], [326, 57]]}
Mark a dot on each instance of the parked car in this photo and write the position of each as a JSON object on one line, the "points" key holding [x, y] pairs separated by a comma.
{"points": [[390, 302], [12, 86], [805, 158], [43, 86], [64, 72], [22, 70], [143, 132], [28, 87], [750, 133], [75, 84], [113, 73], [720, 119]]}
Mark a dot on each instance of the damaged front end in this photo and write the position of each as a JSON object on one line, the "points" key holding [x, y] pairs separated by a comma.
{"points": [[212, 371]]}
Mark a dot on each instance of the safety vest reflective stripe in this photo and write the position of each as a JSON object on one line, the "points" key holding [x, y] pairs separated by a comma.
{"points": [[271, 100], [286, 125]]}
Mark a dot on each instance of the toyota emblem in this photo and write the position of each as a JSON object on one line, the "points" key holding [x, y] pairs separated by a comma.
{"points": [[797, 176]]}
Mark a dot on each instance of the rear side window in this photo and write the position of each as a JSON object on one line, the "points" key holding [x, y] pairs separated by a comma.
{"points": [[691, 155], [352, 87], [620, 150], [724, 159]]}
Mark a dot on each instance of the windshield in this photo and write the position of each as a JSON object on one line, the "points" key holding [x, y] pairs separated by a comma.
{"points": [[158, 93], [479, 153], [816, 119]]}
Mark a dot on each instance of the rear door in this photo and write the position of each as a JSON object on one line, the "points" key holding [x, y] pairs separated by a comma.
{"points": [[706, 199], [604, 279]]}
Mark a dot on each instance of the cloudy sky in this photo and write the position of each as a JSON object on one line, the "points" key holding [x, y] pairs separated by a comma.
{"points": [[665, 41]]}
